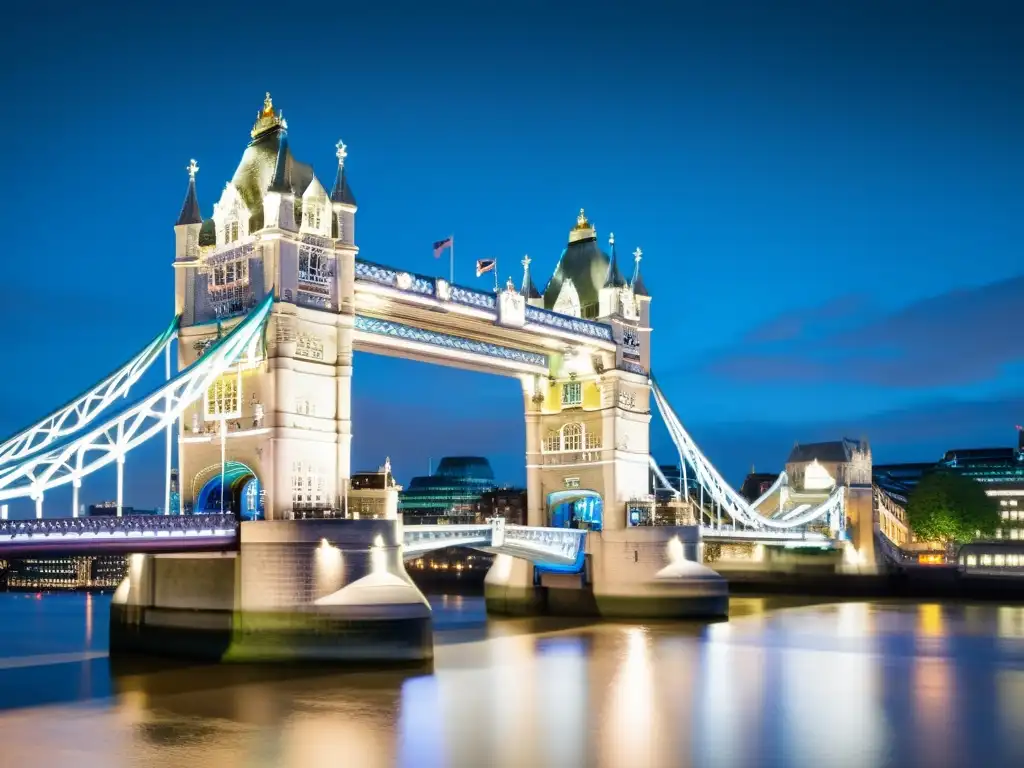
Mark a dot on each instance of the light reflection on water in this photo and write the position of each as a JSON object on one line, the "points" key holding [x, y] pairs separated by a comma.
{"points": [[847, 684]]}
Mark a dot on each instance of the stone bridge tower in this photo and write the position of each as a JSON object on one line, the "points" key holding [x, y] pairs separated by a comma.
{"points": [[281, 418], [587, 426]]}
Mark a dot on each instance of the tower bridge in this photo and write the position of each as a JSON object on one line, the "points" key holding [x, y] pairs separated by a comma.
{"points": [[271, 300]]}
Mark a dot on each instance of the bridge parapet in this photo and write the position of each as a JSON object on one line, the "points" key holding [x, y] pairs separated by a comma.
{"points": [[425, 538]]}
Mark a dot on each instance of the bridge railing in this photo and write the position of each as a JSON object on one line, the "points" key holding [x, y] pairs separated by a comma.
{"points": [[129, 525]]}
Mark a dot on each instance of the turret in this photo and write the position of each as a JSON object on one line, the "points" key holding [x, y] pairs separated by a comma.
{"points": [[610, 295], [279, 201], [529, 290], [186, 245], [343, 201]]}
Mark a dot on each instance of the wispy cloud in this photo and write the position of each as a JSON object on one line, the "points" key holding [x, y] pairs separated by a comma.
{"points": [[961, 337]]}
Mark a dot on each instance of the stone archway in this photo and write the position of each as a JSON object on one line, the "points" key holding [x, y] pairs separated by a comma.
{"points": [[237, 485], [578, 508]]}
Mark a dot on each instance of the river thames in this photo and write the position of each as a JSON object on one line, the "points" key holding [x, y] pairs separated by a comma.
{"points": [[840, 684]]}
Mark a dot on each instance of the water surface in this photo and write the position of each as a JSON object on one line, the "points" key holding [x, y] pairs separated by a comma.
{"points": [[847, 684]]}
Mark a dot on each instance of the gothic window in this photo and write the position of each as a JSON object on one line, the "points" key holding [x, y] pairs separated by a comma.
{"points": [[222, 398], [553, 442], [313, 267], [312, 215], [307, 487], [591, 441], [572, 437], [229, 273], [572, 393], [231, 231]]}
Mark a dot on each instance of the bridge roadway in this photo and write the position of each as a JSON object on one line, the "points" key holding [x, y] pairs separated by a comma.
{"points": [[150, 534]]}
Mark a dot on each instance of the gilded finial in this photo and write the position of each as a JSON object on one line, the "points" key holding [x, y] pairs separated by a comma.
{"points": [[341, 152], [193, 169], [581, 221], [638, 254], [268, 105], [526, 262]]}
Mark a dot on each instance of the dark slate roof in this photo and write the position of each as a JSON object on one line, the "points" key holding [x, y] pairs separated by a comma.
{"points": [[280, 182], [835, 450], [639, 289], [190, 208], [259, 167], [342, 192], [586, 265], [531, 289], [614, 278]]}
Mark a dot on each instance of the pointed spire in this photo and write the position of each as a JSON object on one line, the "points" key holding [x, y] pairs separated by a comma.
{"points": [[281, 182], [637, 284], [614, 278], [342, 193], [190, 208], [529, 290]]}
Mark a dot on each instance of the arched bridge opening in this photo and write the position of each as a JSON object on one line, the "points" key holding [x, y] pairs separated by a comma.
{"points": [[235, 488]]}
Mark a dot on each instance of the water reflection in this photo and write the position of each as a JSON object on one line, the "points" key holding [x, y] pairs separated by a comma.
{"points": [[849, 684]]}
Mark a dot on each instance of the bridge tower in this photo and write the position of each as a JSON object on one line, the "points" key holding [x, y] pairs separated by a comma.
{"points": [[273, 434], [587, 426]]}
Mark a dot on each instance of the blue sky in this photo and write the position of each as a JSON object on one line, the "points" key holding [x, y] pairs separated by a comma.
{"points": [[829, 197]]}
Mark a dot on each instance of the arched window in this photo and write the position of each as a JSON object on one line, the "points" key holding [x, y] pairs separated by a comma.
{"points": [[572, 437], [553, 442]]}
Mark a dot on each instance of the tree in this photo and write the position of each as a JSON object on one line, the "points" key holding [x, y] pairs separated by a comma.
{"points": [[948, 508]]}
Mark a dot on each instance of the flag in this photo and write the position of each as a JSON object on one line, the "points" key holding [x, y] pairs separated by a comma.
{"points": [[440, 245], [485, 265]]}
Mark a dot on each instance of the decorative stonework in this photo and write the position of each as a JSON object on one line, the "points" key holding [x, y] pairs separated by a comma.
{"points": [[511, 307], [285, 327], [629, 367], [446, 341], [309, 347], [570, 324]]}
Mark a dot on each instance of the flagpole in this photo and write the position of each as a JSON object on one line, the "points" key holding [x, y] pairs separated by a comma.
{"points": [[495, 274], [451, 261]]}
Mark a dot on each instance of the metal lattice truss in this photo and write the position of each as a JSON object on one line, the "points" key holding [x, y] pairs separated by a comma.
{"points": [[831, 511], [83, 410], [554, 546], [75, 456]]}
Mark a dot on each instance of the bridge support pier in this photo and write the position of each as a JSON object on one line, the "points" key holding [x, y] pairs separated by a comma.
{"points": [[636, 573], [311, 590]]}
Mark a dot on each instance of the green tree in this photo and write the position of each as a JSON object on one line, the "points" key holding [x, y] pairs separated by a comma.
{"points": [[948, 507]]}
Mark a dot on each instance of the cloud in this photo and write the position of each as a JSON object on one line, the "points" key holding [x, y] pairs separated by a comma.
{"points": [[921, 433], [957, 338]]}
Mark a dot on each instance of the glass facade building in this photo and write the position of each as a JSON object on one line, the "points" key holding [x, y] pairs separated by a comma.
{"points": [[450, 495]]}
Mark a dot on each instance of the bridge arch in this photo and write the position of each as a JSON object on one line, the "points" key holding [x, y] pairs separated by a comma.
{"points": [[239, 485], [577, 508]]}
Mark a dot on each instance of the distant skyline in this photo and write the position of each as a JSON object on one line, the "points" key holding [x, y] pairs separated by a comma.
{"points": [[829, 197]]}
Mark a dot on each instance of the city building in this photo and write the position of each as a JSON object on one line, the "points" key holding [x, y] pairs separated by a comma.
{"points": [[109, 509], [374, 495], [449, 495], [509, 503], [756, 483], [77, 572], [999, 470]]}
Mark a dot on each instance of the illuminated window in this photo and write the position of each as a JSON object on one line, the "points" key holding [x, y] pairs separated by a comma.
{"points": [[1013, 560], [572, 437], [986, 559], [1015, 533], [222, 398], [572, 393], [231, 231], [1000, 560]]}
